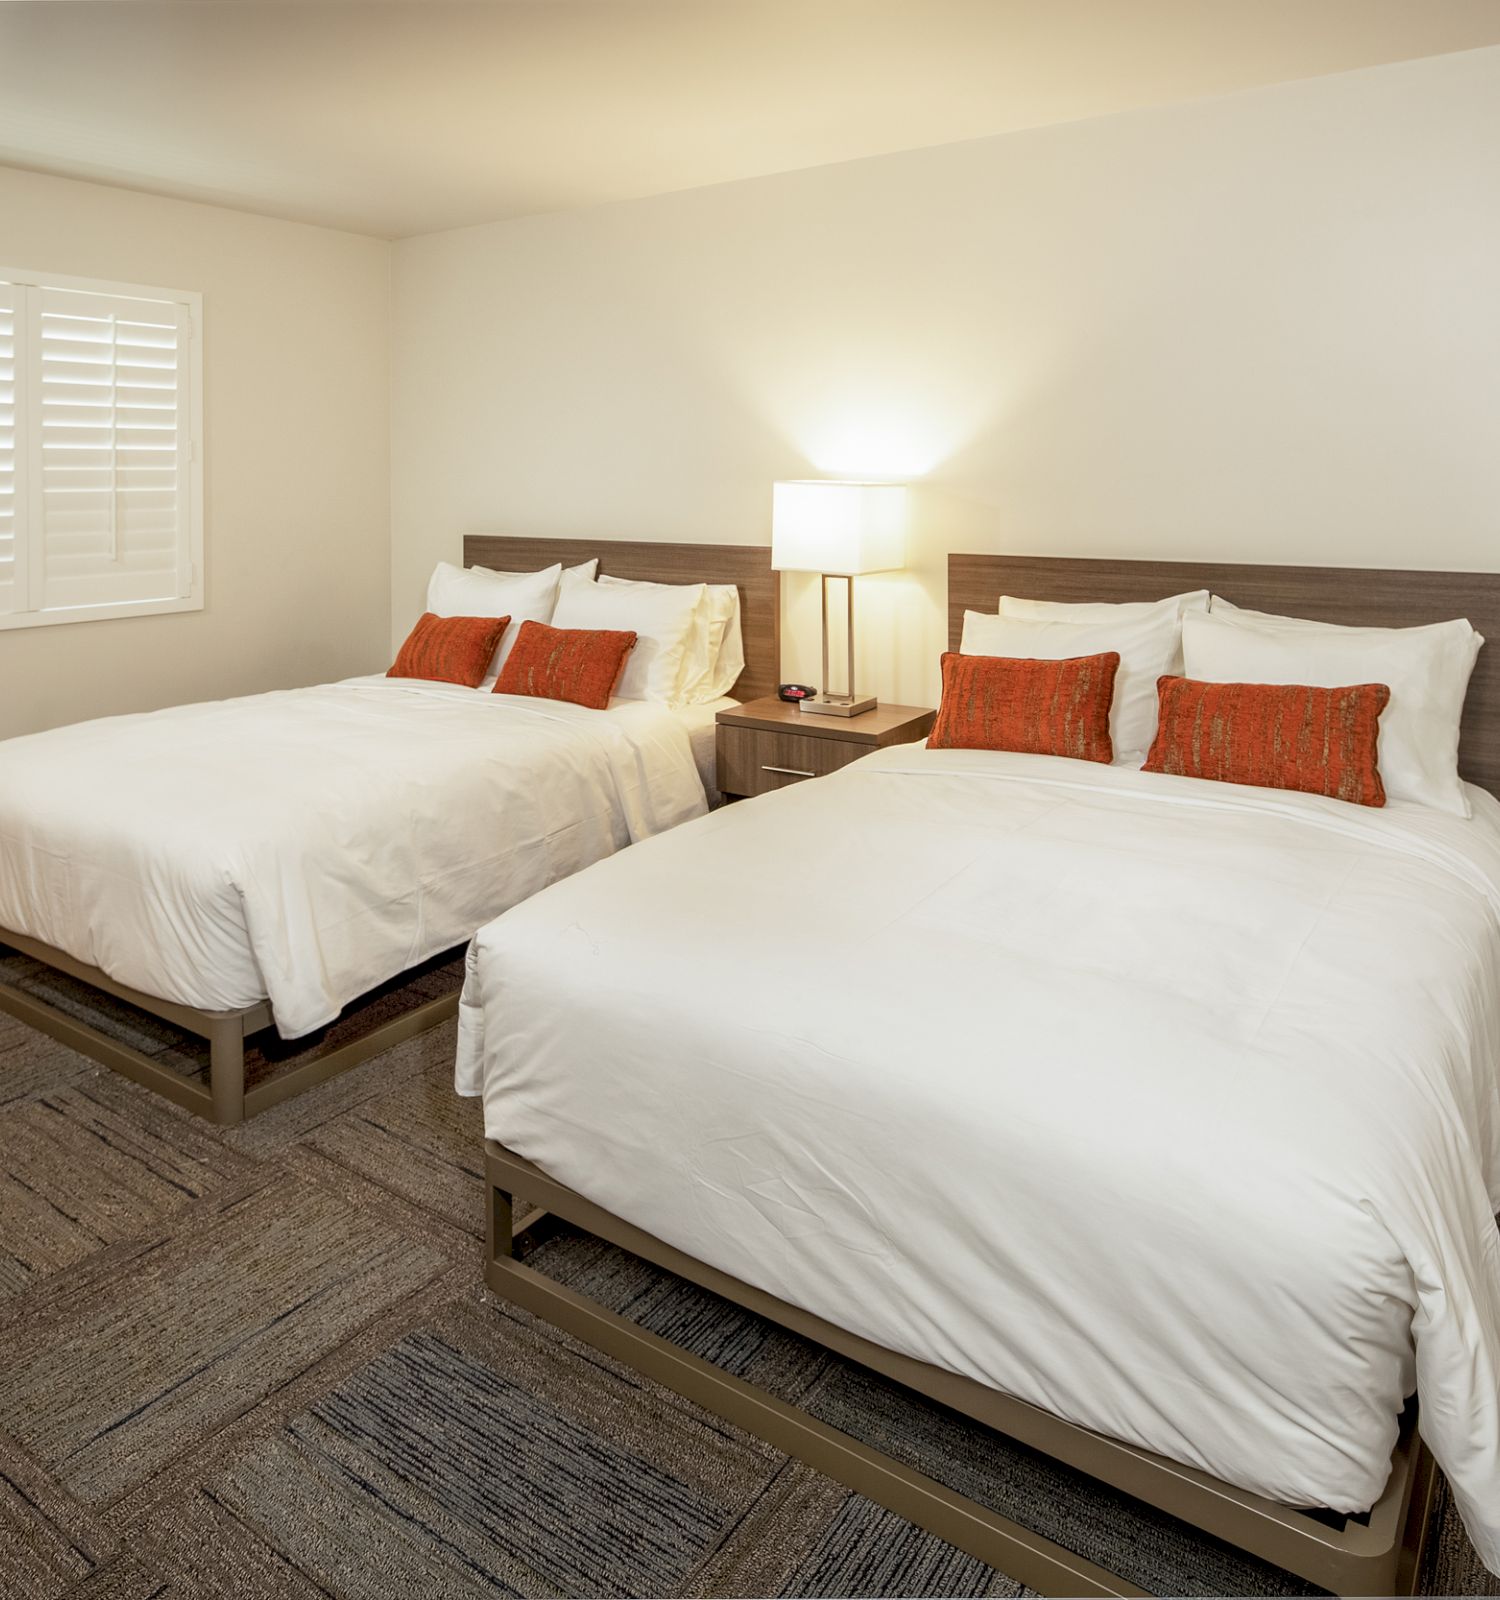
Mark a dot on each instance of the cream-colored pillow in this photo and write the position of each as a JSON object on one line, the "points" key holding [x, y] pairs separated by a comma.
{"points": [[716, 653]]}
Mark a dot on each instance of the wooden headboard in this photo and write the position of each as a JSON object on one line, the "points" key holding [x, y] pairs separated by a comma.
{"points": [[748, 566], [1356, 596]]}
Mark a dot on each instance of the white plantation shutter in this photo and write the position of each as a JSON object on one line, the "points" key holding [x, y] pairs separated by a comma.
{"points": [[105, 517], [12, 565]]}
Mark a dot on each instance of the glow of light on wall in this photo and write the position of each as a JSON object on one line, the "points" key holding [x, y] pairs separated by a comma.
{"points": [[900, 436], [857, 446]]}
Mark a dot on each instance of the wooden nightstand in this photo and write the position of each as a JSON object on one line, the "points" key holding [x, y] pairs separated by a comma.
{"points": [[768, 744]]}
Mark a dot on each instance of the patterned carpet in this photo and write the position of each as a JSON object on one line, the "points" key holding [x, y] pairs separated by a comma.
{"points": [[260, 1363]]}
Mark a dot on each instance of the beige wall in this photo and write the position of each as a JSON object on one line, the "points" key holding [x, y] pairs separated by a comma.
{"points": [[296, 454], [1265, 327]]}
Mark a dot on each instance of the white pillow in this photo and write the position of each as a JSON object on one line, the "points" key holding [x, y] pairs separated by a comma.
{"points": [[716, 652], [1147, 646], [1175, 606], [1426, 669], [584, 569], [663, 616], [477, 592], [1101, 610]]}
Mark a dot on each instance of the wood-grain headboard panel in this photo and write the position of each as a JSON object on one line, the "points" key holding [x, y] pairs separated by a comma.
{"points": [[748, 566], [1356, 596]]}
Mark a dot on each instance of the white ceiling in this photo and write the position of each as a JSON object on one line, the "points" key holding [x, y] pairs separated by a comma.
{"points": [[410, 116]]}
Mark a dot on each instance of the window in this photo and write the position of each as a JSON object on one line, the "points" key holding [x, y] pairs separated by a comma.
{"points": [[101, 499]]}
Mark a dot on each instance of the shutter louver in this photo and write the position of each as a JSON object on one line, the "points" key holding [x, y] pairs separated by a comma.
{"points": [[111, 449], [12, 572]]}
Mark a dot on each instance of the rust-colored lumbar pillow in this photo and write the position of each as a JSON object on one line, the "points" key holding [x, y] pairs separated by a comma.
{"points": [[1042, 708], [578, 664], [1272, 735], [450, 649]]}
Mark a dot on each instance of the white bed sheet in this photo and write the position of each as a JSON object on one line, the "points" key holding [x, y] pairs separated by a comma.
{"points": [[308, 845], [701, 725], [1195, 1090]]}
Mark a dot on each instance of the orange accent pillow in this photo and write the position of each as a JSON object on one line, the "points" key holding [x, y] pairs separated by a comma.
{"points": [[578, 664], [1272, 735], [450, 649], [1040, 708]]}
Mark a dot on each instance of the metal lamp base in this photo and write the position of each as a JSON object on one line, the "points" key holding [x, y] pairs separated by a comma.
{"points": [[839, 705], [823, 705]]}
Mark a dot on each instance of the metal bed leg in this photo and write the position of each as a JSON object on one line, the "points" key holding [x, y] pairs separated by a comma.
{"points": [[499, 1229], [225, 1099], [226, 1071], [1418, 1527]]}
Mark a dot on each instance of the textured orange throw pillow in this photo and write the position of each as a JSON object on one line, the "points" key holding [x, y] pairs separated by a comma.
{"points": [[578, 664], [1272, 735], [1040, 708], [450, 649]]}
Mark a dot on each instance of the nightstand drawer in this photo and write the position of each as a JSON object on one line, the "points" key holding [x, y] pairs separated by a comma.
{"points": [[753, 762]]}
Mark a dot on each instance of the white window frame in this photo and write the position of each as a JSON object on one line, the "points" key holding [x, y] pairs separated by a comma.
{"points": [[192, 302]]}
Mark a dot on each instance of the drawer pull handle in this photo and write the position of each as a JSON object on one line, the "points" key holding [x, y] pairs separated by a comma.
{"points": [[791, 772]]}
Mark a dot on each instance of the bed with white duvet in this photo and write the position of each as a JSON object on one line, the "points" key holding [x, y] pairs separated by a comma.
{"points": [[1196, 1089], [307, 845]]}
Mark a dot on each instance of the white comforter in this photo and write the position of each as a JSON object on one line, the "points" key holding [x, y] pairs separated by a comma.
{"points": [[308, 845], [1195, 1090]]}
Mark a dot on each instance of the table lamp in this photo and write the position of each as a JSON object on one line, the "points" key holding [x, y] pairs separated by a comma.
{"points": [[838, 530]]}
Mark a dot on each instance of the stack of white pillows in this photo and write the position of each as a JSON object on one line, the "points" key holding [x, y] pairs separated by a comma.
{"points": [[688, 645], [1205, 637]]}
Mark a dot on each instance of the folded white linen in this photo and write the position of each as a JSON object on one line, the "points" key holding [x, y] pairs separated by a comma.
{"points": [[308, 845], [1196, 1090]]}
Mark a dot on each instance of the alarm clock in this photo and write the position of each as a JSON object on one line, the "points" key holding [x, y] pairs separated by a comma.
{"points": [[795, 692]]}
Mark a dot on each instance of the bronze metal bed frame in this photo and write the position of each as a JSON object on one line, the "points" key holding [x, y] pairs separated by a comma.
{"points": [[1379, 1556], [226, 1099], [1377, 1553]]}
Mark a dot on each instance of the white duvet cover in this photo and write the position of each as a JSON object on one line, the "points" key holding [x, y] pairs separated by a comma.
{"points": [[308, 845], [1195, 1091]]}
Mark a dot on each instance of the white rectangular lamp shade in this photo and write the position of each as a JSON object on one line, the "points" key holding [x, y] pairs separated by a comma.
{"points": [[821, 525]]}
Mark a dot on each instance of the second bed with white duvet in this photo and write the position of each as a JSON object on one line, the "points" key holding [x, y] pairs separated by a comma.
{"points": [[1196, 1091]]}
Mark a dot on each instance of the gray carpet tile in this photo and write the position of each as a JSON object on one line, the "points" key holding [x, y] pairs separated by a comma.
{"points": [[417, 1141], [47, 1543], [352, 1527], [118, 1369], [79, 1170], [31, 1063], [128, 1579], [261, 1363], [867, 1550], [776, 1534], [427, 1424]]}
